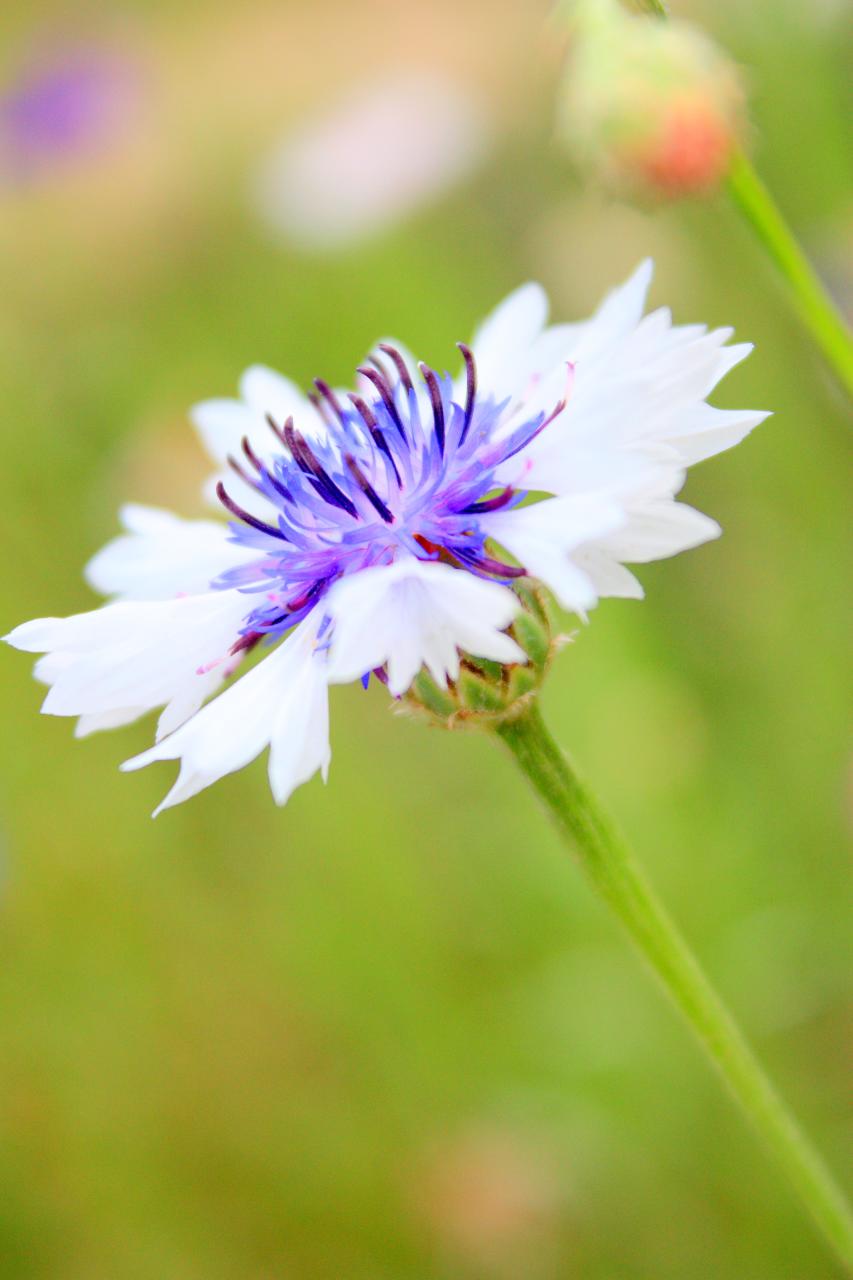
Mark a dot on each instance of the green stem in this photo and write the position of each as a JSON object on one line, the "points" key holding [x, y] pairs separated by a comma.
{"points": [[620, 881], [817, 310]]}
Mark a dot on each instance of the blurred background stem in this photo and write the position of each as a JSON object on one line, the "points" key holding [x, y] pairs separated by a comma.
{"points": [[812, 300], [619, 879], [817, 310]]}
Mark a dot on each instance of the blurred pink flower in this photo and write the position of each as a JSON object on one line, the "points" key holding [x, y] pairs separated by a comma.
{"points": [[372, 159]]}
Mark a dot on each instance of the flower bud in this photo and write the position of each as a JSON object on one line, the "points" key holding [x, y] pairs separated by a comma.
{"points": [[651, 108], [487, 691]]}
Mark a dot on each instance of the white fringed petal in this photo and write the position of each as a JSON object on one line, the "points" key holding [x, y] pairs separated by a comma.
{"points": [[636, 418], [101, 720], [49, 668], [134, 655], [281, 703], [518, 357], [543, 537], [162, 555], [267, 392], [639, 384], [658, 529], [501, 344], [222, 423], [415, 613], [608, 576], [619, 313], [706, 431]]}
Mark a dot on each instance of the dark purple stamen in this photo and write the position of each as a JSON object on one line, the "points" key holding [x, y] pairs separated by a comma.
{"points": [[471, 389], [367, 489], [387, 396], [247, 518], [238, 469], [399, 364], [437, 404], [275, 428], [246, 642], [486, 564], [307, 462], [329, 396], [293, 606], [490, 504], [322, 409], [373, 359], [263, 471], [369, 418], [251, 456]]}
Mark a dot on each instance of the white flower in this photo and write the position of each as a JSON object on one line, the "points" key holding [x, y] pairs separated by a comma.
{"points": [[382, 532]]}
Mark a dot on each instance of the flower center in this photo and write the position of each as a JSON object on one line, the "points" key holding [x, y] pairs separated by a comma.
{"points": [[406, 468]]}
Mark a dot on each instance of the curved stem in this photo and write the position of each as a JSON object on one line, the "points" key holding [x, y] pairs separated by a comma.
{"points": [[621, 883], [816, 308]]}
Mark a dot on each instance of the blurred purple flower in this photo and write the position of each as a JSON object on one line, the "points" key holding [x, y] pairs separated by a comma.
{"points": [[71, 103]]}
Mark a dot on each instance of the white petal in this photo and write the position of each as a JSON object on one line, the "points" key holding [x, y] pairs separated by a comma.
{"points": [[517, 357], [413, 613], [107, 720], [619, 313], [134, 654], [221, 424], [608, 576], [637, 403], [299, 744], [162, 556], [659, 529], [191, 695], [706, 431], [503, 340], [267, 392], [575, 469], [49, 668], [728, 359], [542, 538], [282, 701]]}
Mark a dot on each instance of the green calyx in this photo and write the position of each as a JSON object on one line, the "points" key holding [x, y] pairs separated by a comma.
{"points": [[486, 692]]}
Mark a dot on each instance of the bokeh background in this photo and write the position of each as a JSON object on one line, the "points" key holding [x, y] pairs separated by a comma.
{"points": [[387, 1033]]}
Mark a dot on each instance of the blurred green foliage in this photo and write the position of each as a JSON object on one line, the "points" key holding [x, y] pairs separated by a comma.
{"points": [[386, 1033]]}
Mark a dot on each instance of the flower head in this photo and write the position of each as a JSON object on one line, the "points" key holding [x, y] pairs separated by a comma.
{"points": [[406, 470], [394, 530]]}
